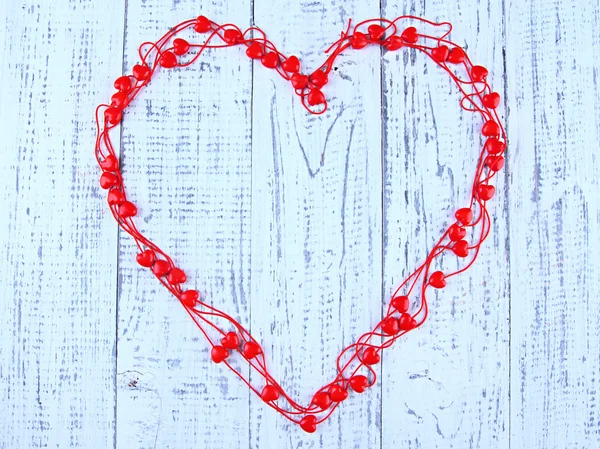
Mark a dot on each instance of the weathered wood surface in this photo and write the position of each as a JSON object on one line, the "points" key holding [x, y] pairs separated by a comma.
{"points": [[300, 226]]}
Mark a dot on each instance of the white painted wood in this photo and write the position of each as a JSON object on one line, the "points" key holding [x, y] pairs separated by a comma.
{"points": [[446, 384], [552, 80], [58, 245], [316, 195], [187, 159], [299, 233]]}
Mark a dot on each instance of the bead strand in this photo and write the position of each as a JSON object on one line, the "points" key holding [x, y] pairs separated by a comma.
{"points": [[461, 238]]}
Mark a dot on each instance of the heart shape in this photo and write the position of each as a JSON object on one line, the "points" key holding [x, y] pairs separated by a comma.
{"points": [[456, 55], [180, 46], [291, 64], [322, 400], [309, 423], [359, 383], [230, 341], [495, 163], [456, 232], [255, 50], [219, 354], [437, 279], [270, 60], [461, 248], [251, 350], [391, 326], [141, 72], [491, 100], [410, 35], [375, 31], [355, 374], [440, 54], [269, 393], [337, 393], [359, 40]]}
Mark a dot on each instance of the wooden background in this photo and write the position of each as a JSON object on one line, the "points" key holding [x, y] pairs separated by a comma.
{"points": [[301, 226]]}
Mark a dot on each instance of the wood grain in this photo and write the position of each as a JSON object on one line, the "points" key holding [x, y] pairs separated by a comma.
{"points": [[316, 195], [186, 153], [58, 275], [300, 226], [445, 385], [553, 178]]}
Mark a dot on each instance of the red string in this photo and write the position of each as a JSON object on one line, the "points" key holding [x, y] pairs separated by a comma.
{"points": [[354, 363]]}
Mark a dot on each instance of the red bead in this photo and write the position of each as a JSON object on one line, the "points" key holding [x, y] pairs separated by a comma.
{"points": [[251, 349], [370, 356], [123, 84], [269, 393], [440, 54], [180, 46], [202, 25], [315, 97], [309, 423], [232, 36], [254, 51], [494, 146], [495, 163], [456, 55], [375, 31], [108, 180], [168, 60], [390, 326], [456, 233], [359, 40], [409, 35], [113, 115], [230, 340], [270, 60], [490, 128], [406, 322], [401, 303], [291, 64], [119, 100], [115, 197], [322, 400], [176, 276], [318, 78], [393, 43], [485, 191], [299, 81], [141, 72], [146, 258], [437, 279], [337, 393], [189, 298], [218, 354], [359, 383], [127, 209], [491, 100], [464, 215], [110, 163], [461, 248], [479, 73], [161, 268]]}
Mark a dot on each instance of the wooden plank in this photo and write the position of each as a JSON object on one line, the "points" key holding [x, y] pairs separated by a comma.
{"points": [[316, 196], [553, 178], [187, 160], [445, 384], [58, 276]]}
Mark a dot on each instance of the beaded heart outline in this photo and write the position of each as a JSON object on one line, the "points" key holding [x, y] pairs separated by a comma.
{"points": [[354, 365]]}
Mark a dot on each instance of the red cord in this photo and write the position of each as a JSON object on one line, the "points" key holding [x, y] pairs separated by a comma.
{"points": [[354, 364]]}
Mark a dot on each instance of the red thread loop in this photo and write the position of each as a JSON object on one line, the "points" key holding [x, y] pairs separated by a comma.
{"points": [[464, 237]]}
